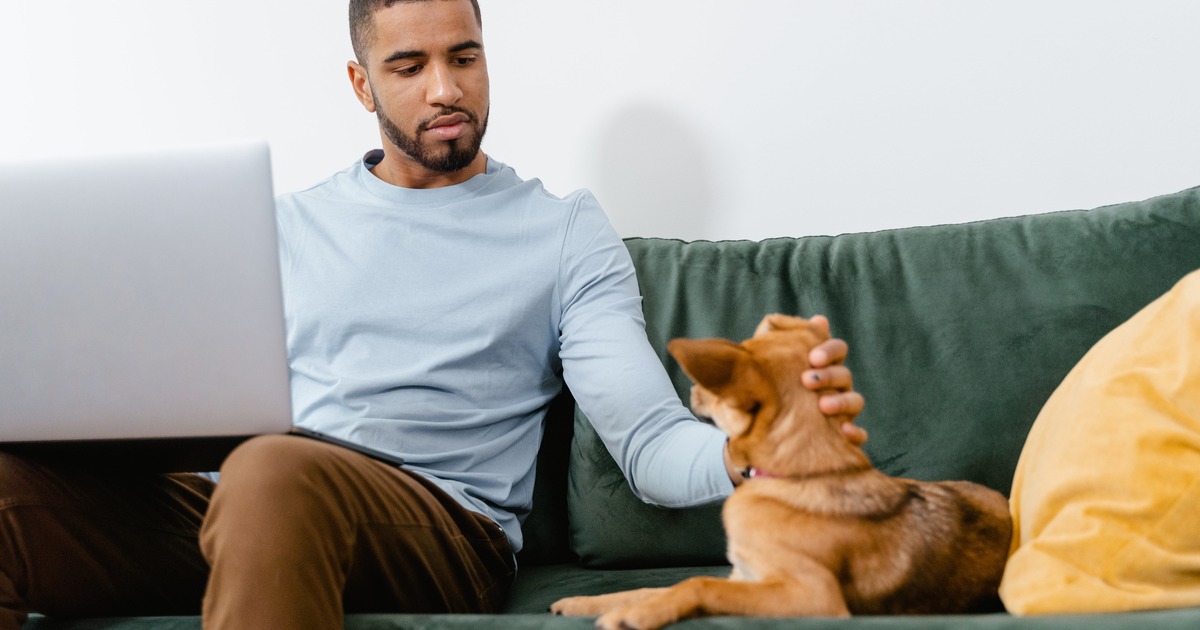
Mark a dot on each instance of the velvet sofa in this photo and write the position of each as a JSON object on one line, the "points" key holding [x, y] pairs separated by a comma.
{"points": [[958, 335]]}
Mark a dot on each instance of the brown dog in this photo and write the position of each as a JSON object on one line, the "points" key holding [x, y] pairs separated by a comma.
{"points": [[815, 529]]}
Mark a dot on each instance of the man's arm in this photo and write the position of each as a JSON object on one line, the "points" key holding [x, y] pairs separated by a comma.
{"points": [[618, 380], [668, 457]]}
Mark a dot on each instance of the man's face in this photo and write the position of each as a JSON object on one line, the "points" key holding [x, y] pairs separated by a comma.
{"points": [[426, 79]]}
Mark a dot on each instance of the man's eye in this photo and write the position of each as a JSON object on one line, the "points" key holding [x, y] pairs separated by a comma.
{"points": [[464, 61], [408, 71]]}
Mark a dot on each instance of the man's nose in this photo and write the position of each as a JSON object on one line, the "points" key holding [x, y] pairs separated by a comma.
{"points": [[441, 87]]}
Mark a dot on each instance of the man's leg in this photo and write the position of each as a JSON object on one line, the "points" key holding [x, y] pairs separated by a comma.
{"points": [[300, 532], [85, 542]]}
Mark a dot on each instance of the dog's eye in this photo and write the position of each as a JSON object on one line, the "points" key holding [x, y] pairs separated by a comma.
{"points": [[754, 409]]}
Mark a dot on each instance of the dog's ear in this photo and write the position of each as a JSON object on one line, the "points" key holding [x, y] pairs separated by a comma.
{"points": [[727, 371], [710, 363]]}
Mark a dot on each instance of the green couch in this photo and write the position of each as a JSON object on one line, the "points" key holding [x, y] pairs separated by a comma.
{"points": [[958, 334]]}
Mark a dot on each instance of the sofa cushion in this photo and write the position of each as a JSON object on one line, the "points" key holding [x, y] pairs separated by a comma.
{"points": [[545, 528], [1186, 619], [958, 334], [1106, 498], [540, 586]]}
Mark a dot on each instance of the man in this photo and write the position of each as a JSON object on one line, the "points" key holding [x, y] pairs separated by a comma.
{"points": [[435, 304]]}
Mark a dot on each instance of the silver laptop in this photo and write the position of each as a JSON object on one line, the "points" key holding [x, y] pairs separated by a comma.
{"points": [[141, 314]]}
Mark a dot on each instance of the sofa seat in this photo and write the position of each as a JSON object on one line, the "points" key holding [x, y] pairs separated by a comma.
{"points": [[958, 335]]}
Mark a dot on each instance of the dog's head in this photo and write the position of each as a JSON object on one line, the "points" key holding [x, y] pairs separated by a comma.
{"points": [[753, 392]]}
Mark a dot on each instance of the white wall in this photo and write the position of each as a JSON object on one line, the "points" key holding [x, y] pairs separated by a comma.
{"points": [[687, 118]]}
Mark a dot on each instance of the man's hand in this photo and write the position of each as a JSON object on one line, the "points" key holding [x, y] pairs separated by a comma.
{"points": [[835, 383]]}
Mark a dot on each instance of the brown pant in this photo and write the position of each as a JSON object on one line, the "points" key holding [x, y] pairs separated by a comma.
{"points": [[295, 533]]}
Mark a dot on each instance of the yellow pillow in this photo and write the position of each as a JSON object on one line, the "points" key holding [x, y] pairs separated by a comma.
{"points": [[1106, 498]]}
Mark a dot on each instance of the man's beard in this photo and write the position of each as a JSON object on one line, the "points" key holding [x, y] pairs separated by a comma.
{"points": [[456, 155]]}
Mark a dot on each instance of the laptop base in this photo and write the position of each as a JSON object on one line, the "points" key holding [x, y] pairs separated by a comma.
{"points": [[159, 455]]}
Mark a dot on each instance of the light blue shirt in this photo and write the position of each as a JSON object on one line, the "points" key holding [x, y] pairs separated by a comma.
{"points": [[438, 324]]}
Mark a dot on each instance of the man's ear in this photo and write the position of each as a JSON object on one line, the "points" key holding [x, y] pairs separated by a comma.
{"points": [[361, 84], [710, 363]]}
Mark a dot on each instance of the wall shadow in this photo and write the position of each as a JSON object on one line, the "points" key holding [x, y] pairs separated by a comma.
{"points": [[652, 174]]}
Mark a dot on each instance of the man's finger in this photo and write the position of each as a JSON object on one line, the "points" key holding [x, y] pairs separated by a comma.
{"points": [[856, 434], [820, 321], [837, 377], [828, 352], [849, 403]]}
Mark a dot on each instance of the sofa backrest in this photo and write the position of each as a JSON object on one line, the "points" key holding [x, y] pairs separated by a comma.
{"points": [[957, 333]]}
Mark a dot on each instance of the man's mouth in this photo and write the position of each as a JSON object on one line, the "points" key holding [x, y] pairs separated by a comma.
{"points": [[448, 127]]}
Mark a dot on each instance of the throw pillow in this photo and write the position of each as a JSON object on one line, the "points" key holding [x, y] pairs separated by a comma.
{"points": [[1106, 496]]}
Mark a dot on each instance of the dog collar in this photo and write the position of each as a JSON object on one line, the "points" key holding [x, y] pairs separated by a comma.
{"points": [[751, 472]]}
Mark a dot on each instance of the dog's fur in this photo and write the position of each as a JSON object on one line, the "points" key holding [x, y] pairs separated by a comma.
{"points": [[819, 531]]}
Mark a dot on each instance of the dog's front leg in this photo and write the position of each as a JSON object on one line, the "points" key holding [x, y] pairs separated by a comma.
{"points": [[812, 595], [592, 605]]}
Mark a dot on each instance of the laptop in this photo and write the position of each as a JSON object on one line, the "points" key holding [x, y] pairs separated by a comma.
{"points": [[141, 313]]}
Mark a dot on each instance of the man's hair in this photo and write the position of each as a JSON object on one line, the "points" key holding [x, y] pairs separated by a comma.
{"points": [[362, 21]]}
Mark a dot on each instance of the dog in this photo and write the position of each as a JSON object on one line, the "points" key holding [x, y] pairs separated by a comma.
{"points": [[815, 529]]}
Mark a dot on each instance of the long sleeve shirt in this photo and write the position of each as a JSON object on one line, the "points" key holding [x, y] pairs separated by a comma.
{"points": [[438, 324]]}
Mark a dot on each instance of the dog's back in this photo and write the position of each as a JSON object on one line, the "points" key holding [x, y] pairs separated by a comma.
{"points": [[954, 545], [895, 546]]}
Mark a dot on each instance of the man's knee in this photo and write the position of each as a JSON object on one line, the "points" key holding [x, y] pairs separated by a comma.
{"points": [[75, 541], [31, 491], [272, 469], [268, 455], [275, 482], [21, 479], [278, 498], [18, 488]]}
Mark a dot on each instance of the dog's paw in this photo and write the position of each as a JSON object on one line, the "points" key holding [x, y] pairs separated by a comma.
{"points": [[577, 607], [592, 605], [635, 618]]}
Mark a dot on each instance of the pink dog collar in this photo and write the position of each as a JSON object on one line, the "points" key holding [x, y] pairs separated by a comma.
{"points": [[751, 472]]}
